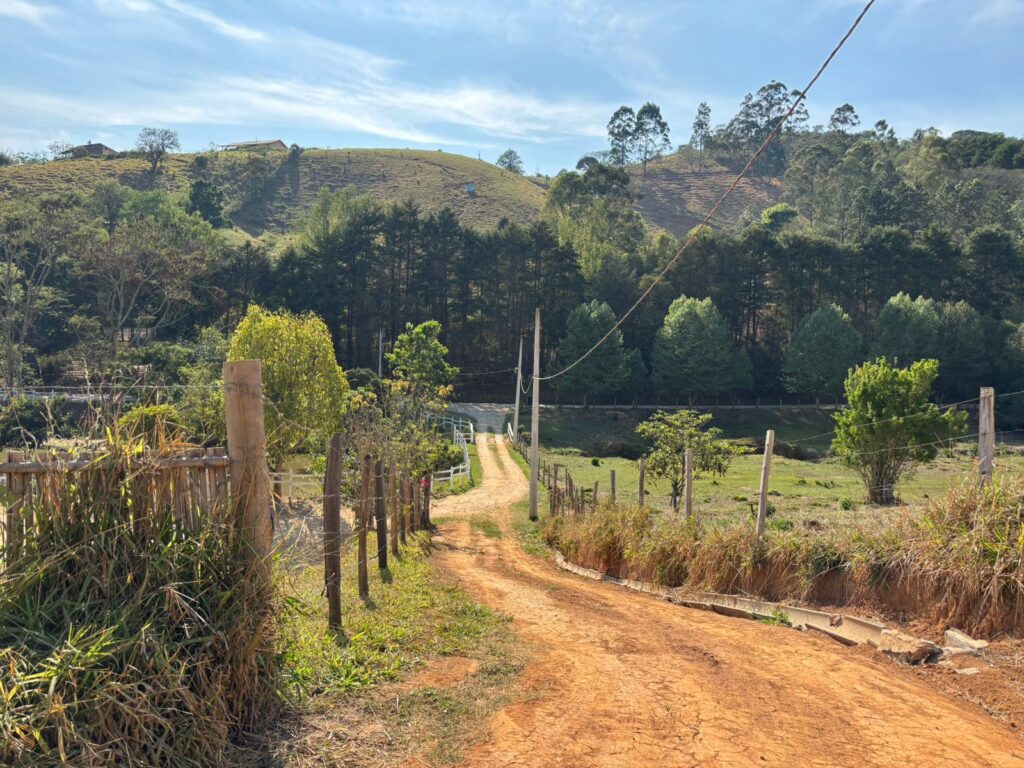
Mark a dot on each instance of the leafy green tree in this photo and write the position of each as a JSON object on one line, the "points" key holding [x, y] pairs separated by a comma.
{"points": [[774, 219], [621, 132], [670, 434], [155, 143], [890, 426], [636, 379], [843, 119], [304, 386], [510, 161], [604, 371], [701, 132], [821, 352], [961, 348], [650, 134], [907, 329], [693, 354], [418, 361], [207, 200]]}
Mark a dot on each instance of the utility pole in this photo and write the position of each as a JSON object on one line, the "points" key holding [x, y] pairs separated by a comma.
{"points": [[519, 389], [535, 418], [380, 354]]}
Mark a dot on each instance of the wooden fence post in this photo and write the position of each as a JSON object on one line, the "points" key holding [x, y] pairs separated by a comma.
{"points": [[380, 515], [332, 532], [986, 435], [426, 499], [247, 447], [363, 513], [403, 520], [595, 495], [417, 504], [762, 499], [643, 474], [393, 485], [612, 489], [689, 483]]}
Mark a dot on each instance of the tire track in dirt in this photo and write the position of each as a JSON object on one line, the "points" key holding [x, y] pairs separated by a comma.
{"points": [[619, 678]]}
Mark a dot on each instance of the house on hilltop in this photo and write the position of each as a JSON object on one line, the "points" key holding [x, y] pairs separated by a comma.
{"points": [[267, 144], [88, 150]]}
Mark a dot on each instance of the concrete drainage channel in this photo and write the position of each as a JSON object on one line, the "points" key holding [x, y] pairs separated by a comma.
{"points": [[849, 630]]}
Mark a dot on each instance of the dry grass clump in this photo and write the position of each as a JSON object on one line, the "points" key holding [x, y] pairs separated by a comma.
{"points": [[128, 641], [959, 560], [969, 545]]}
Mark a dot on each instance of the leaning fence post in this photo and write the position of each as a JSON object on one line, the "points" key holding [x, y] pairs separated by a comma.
{"points": [[762, 501], [380, 515], [643, 473], [247, 447], [986, 435], [363, 513], [332, 532]]}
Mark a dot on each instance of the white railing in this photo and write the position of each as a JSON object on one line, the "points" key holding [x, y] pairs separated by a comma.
{"points": [[462, 435]]}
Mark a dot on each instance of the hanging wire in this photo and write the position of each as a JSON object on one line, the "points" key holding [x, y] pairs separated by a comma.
{"points": [[694, 233]]}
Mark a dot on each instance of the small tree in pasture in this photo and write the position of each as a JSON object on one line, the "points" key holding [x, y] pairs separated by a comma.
{"points": [[670, 436], [510, 161], [303, 383], [889, 426], [822, 350], [155, 144]]}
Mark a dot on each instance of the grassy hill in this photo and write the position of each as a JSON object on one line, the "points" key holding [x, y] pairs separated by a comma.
{"points": [[675, 197], [270, 191]]}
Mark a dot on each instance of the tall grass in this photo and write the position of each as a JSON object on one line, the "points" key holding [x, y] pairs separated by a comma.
{"points": [[958, 560], [124, 643]]}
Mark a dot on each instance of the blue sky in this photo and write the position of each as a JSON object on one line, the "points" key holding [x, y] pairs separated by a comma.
{"points": [[476, 77]]}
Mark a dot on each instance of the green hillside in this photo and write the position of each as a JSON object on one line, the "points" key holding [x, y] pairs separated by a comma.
{"points": [[272, 191]]}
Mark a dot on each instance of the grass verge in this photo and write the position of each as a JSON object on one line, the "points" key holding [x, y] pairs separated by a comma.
{"points": [[418, 669], [958, 560]]}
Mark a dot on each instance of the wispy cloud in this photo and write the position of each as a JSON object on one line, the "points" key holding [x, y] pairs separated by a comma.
{"points": [[23, 10], [998, 10], [386, 109], [209, 19]]}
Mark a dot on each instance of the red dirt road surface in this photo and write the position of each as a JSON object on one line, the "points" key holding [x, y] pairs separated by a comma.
{"points": [[621, 679]]}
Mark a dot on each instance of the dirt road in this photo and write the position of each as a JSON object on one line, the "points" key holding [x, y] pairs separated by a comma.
{"points": [[621, 679]]}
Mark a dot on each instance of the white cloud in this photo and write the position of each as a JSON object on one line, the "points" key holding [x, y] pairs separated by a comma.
{"points": [[384, 108], [216, 23], [23, 10]]}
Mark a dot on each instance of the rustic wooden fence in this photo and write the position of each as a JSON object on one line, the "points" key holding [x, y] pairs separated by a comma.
{"points": [[388, 502], [185, 484]]}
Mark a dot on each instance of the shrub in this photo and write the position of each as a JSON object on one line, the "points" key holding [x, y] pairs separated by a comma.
{"points": [[130, 644], [152, 423]]}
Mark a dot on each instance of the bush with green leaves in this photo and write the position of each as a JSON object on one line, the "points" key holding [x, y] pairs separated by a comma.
{"points": [[821, 352], [890, 426], [32, 422], [671, 434]]}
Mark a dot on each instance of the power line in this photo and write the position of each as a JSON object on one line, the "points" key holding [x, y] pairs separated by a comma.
{"points": [[711, 214]]}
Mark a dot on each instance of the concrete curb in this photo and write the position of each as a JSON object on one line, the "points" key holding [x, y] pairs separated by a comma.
{"points": [[849, 630]]}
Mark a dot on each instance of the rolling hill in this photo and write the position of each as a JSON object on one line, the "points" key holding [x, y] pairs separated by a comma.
{"points": [[270, 191]]}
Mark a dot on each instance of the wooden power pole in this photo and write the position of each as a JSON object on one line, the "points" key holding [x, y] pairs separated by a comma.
{"points": [[519, 389], [535, 418]]}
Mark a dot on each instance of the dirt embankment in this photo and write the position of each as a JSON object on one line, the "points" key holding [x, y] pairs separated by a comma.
{"points": [[622, 679]]}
